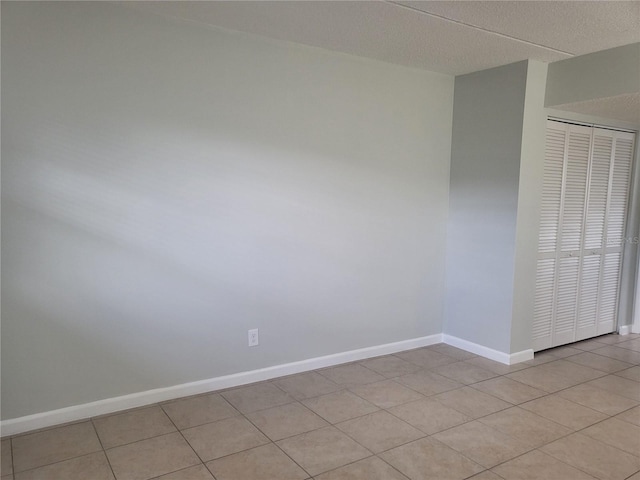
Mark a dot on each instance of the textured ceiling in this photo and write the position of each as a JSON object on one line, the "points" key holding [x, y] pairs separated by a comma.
{"points": [[451, 37], [575, 27], [621, 107]]}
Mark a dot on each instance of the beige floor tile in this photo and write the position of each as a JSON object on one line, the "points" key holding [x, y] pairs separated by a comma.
{"points": [[630, 345], [542, 379], [307, 385], [635, 476], [380, 431], [599, 362], [286, 421], [429, 415], [486, 475], [428, 383], [564, 412], [151, 458], [573, 371], [588, 345], [6, 463], [632, 373], [426, 358], [323, 450], [464, 372], [193, 411], [593, 457], [340, 406], [427, 459], [509, 390], [536, 465], [217, 439], [371, 468], [386, 394], [482, 444], [257, 397], [618, 385], [541, 358], [631, 416], [598, 399], [496, 367], [119, 429], [471, 402], [351, 374], [54, 445], [93, 466], [527, 427], [199, 472], [617, 433], [258, 463], [390, 366], [564, 351], [622, 354], [611, 338], [452, 351]]}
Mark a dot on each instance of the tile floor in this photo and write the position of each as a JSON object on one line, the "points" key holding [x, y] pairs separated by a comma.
{"points": [[432, 413]]}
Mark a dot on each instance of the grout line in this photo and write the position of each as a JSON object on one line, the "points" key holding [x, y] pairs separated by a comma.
{"points": [[57, 462], [179, 470], [476, 27], [373, 455], [291, 458], [13, 465], [424, 396], [393, 466], [187, 442], [508, 435], [272, 442], [104, 452]]}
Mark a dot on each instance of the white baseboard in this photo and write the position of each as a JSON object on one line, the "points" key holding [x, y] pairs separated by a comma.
{"points": [[521, 356], [490, 353], [625, 329], [115, 404], [635, 328]]}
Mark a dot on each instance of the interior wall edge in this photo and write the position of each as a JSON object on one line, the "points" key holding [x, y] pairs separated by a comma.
{"points": [[490, 353]]}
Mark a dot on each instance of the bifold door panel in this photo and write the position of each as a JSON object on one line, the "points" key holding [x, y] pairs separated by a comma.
{"points": [[585, 193]]}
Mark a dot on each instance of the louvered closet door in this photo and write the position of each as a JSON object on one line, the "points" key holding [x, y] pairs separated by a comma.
{"points": [[615, 230], [583, 212], [594, 240]]}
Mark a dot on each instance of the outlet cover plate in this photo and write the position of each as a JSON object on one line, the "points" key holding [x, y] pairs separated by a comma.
{"points": [[254, 340]]}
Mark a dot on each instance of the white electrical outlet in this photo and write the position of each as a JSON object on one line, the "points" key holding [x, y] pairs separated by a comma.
{"points": [[253, 338]]}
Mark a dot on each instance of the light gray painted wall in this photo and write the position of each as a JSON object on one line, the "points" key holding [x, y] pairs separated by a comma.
{"points": [[629, 285], [483, 202], [597, 75], [166, 187], [534, 126]]}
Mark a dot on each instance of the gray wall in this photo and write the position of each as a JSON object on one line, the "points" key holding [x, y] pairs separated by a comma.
{"points": [[166, 187], [630, 279], [597, 75], [534, 130], [483, 202]]}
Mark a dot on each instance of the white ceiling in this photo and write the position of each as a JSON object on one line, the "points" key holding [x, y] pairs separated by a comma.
{"points": [[621, 107], [453, 37]]}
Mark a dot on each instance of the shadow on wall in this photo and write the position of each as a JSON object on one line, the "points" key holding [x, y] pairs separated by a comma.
{"points": [[167, 187]]}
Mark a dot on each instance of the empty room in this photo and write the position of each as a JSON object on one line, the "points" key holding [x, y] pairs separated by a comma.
{"points": [[320, 240]]}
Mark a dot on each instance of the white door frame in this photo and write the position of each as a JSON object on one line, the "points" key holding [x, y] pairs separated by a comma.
{"points": [[635, 327]]}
